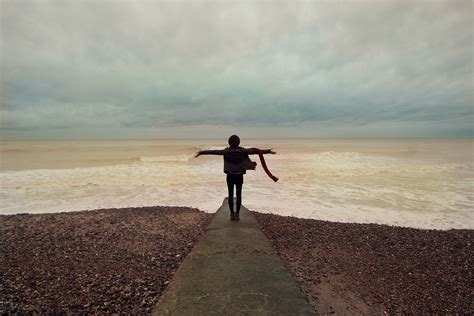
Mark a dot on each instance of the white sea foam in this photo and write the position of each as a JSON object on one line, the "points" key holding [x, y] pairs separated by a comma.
{"points": [[346, 186], [173, 158]]}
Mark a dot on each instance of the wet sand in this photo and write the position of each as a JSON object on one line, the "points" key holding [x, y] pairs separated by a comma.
{"points": [[371, 269], [101, 261]]}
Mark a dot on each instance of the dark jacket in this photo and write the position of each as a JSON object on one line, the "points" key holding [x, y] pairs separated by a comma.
{"points": [[236, 160]]}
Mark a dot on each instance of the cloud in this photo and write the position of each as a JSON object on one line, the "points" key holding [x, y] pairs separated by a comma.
{"points": [[302, 66]]}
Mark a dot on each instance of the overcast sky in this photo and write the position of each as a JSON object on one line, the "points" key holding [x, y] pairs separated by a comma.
{"points": [[140, 69]]}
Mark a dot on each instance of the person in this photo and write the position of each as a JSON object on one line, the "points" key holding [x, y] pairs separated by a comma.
{"points": [[236, 163]]}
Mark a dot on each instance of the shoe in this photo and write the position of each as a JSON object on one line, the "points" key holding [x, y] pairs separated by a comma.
{"points": [[232, 216], [237, 218]]}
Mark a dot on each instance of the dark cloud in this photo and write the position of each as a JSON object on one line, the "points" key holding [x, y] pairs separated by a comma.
{"points": [[303, 67]]}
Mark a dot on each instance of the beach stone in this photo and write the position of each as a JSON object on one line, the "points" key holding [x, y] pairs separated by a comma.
{"points": [[397, 270], [87, 262]]}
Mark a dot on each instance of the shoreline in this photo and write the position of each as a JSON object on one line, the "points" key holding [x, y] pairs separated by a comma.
{"points": [[391, 219], [264, 211], [260, 212]]}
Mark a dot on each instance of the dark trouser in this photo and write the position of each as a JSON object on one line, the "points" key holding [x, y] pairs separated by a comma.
{"points": [[237, 180]]}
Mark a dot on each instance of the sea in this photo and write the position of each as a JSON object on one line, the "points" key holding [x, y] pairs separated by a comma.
{"points": [[422, 183]]}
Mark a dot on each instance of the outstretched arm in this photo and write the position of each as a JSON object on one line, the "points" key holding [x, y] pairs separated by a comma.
{"points": [[209, 152], [256, 151]]}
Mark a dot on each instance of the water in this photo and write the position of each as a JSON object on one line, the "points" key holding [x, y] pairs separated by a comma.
{"points": [[426, 183]]}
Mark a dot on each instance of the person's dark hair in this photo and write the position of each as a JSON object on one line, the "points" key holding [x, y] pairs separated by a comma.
{"points": [[234, 141]]}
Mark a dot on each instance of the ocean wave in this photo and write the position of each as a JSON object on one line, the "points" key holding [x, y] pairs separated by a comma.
{"points": [[351, 162], [207, 147], [155, 159], [330, 185]]}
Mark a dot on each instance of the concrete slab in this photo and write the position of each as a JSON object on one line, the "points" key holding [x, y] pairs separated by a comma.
{"points": [[233, 270]]}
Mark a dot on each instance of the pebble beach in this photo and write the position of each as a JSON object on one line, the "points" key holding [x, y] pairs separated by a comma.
{"points": [[93, 262], [373, 269], [121, 260]]}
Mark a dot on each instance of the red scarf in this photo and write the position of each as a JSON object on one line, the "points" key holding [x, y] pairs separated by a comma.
{"points": [[264, 165]]}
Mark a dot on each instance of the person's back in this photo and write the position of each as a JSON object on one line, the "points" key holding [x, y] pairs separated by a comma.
{"points": [[236, 163]]}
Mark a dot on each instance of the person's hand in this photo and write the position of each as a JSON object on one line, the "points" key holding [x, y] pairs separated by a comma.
{"points": [[197, 154], [272, 151]]}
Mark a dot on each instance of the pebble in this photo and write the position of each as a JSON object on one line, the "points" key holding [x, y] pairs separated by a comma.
{"points": [[400, 269], [86, 262]]}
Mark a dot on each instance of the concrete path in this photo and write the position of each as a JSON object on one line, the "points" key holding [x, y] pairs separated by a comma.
{"points": [[233, 270]]}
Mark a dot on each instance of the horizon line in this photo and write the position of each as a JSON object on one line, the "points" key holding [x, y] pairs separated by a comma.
{"points": [[220, 138]]}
